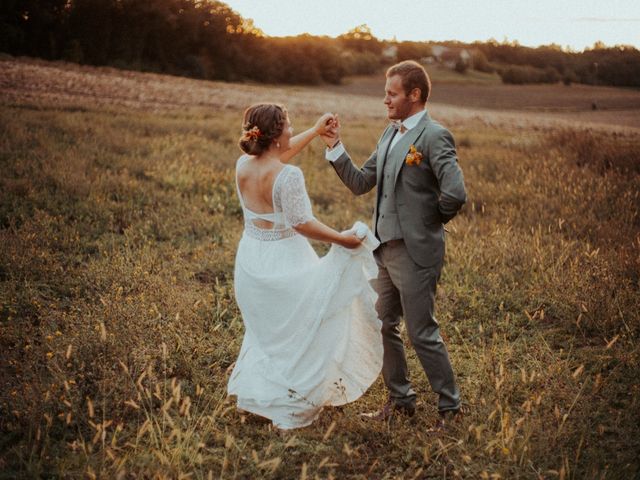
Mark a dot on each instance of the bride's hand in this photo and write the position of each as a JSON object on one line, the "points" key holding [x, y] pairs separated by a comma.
{"points": [[350, 240], [325, 125], [331, 137]]}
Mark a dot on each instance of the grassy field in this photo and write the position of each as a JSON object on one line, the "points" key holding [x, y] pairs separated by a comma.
{"points": [[118, 327]]}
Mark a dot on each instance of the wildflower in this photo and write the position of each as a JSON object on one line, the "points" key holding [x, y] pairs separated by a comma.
{"points": [[251, 134]]}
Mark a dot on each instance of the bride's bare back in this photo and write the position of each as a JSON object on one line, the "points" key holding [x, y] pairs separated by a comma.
{"points": [[255, 181]]}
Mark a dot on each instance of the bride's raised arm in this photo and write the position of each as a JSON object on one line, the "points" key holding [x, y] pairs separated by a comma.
{"points": [[322, 127]]}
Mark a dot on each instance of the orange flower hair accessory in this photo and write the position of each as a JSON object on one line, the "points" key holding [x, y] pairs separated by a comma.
{"points": [[252, 134], [414, 157]]}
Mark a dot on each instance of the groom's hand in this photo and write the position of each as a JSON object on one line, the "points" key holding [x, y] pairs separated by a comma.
{"points": [[324, 124], [331, 137]]}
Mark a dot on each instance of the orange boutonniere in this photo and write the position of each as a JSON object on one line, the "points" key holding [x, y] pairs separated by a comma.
{"points": [[414, 157]]}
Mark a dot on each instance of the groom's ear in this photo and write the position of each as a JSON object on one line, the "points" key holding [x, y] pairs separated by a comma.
{"points": [[415, 94]]}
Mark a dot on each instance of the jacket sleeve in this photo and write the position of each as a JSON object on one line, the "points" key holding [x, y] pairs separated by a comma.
{"points": [[358, 180], [444, 163]]}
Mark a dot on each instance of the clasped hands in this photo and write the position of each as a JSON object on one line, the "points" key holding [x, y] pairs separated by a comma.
{"points": [[328, 128]]}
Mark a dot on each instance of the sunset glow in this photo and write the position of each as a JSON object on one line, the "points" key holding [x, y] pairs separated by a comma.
{"points": [[576, 24]]}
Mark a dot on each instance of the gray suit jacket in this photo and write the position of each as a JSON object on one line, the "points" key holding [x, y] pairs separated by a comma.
{"points": [[427, 195]]}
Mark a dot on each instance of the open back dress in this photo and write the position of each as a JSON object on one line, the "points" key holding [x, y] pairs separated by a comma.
{"points": [[312, 337]]}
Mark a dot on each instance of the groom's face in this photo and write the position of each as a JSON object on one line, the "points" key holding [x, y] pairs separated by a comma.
{"points": [[399, 105]]}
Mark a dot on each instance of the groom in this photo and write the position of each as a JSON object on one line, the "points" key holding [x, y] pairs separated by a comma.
{"points": [[420, 188]]}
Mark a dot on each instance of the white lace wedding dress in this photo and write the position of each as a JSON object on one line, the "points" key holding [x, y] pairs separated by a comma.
{"points": [[312, 336]]}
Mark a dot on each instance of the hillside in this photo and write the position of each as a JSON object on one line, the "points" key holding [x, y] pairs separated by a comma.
{"points": [[64, 84], [487, 95]]}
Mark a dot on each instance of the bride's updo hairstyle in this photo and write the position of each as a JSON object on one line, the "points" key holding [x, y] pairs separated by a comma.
{"points": [[261, 125]]}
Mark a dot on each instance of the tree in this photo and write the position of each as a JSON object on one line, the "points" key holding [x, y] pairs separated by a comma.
{"points": [[480, 62], [361, 39], [461, 66], [42, 23], [413, 50]]}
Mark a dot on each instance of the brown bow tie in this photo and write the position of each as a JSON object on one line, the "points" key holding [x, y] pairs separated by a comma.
{"points": [[398, 125]]}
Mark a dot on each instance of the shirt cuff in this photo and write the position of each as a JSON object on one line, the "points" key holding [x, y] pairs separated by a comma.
{"points": [[335, 153]]}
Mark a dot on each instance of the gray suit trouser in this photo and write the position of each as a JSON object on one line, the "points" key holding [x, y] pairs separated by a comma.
{"points": [[407, 289]]}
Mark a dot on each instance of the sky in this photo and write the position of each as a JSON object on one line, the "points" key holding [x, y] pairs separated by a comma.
{"points": [[576, 24]]}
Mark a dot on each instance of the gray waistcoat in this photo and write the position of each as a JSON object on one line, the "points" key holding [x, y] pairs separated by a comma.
{"points": [[388, 225]]}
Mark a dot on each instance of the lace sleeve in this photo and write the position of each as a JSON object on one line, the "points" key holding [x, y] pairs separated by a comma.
{"points": [[295, 202]]}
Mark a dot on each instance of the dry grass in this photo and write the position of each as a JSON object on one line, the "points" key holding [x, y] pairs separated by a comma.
{"points": [[119, 224]]}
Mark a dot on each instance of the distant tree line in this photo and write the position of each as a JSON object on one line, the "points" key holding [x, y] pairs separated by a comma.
{"points": [[600, 65], [207, 39], [197, 38]]}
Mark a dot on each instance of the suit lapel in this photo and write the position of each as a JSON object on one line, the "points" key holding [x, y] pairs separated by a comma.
{"points": [[400, 149]]}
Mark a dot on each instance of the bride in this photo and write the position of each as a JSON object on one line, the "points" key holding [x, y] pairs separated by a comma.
{"points": [[312, 336]]}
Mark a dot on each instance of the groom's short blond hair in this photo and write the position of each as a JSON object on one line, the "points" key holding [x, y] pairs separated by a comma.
{"points": [[413, 75]]}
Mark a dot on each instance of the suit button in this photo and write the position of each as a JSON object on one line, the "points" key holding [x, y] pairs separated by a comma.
{"points": [[385, 196]]}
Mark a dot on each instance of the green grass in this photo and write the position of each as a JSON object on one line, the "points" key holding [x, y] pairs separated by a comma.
{"points": [[118, 325]]}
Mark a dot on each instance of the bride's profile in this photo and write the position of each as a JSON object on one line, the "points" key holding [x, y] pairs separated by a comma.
{"points": [[312, 336]]}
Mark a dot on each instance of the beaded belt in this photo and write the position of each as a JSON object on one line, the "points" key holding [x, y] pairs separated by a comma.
{"points": [[268, 235]]}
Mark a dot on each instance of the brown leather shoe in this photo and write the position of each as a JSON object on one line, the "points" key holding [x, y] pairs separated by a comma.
{"points": [[389, 410], [445, 419]]}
